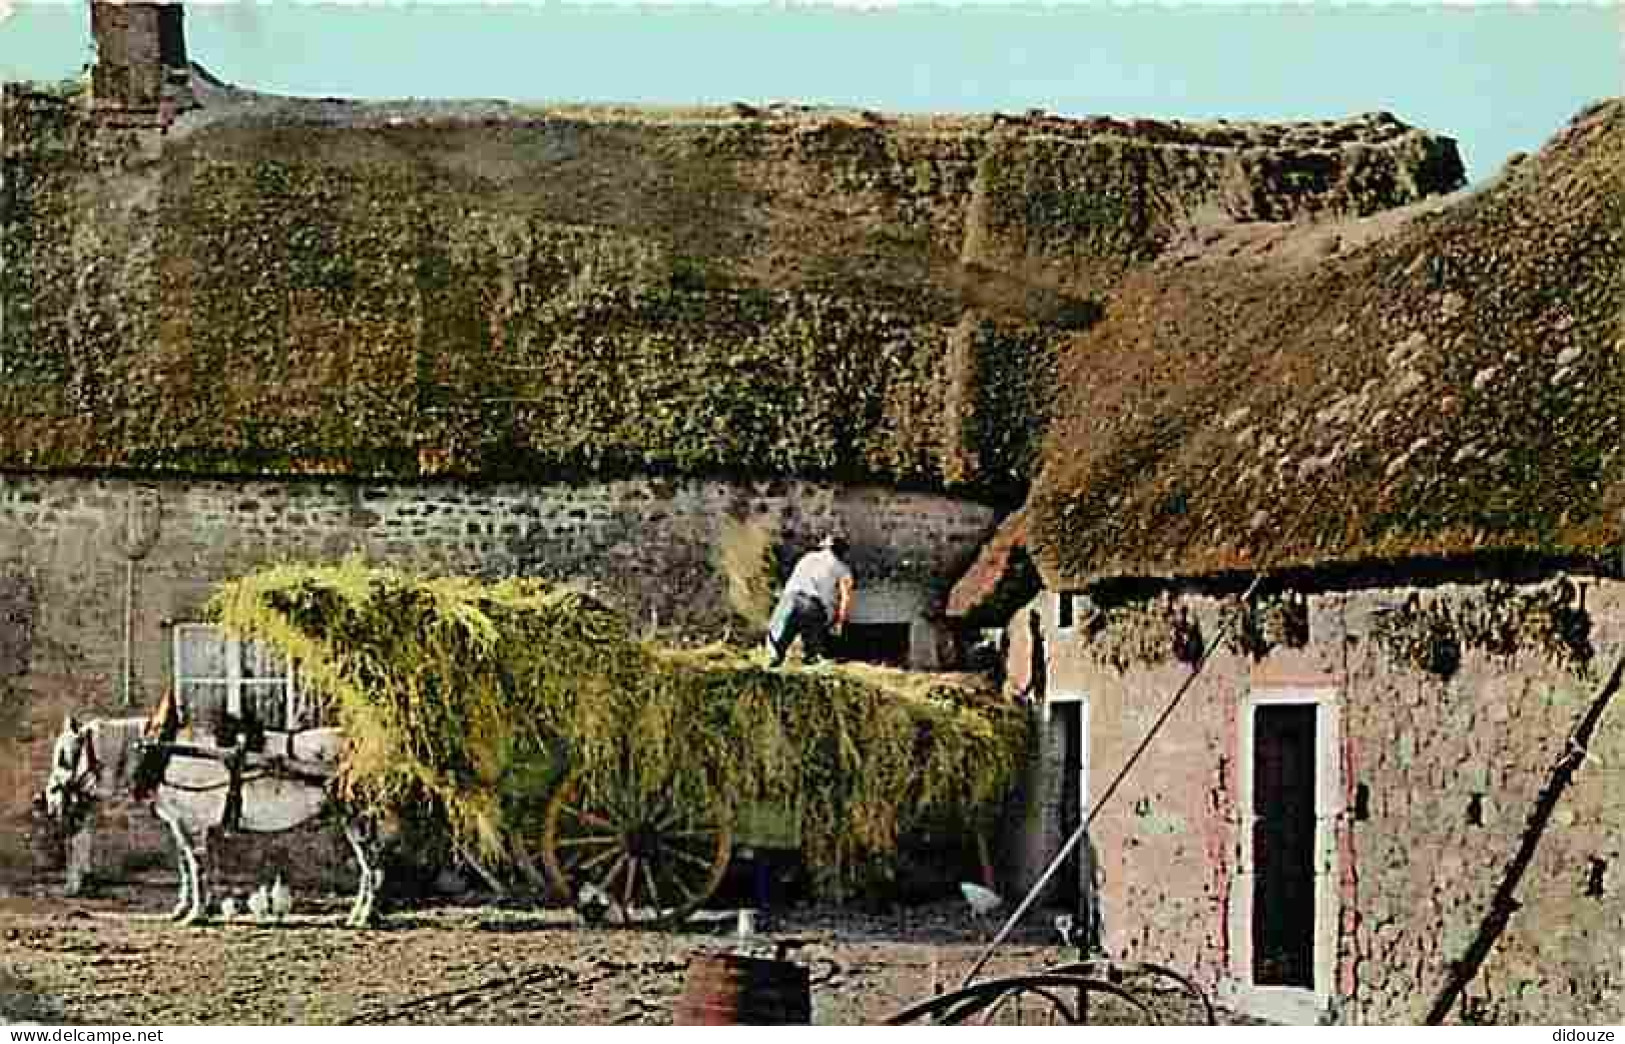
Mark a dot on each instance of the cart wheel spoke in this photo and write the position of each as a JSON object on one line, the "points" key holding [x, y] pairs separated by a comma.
{"points": [[684, 884], [654, 890], [687, 857], [590, 818], [631, 883], [653, 862], [589, 839], [597, 860], [614, 871]]}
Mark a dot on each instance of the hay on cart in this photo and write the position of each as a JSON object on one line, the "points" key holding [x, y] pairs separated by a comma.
{"points": [[476, 696]]}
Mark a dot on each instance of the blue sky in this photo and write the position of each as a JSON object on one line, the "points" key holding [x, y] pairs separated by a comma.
{"points": [[1500, 79]]}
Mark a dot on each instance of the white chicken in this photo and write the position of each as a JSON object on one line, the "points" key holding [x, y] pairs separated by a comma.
{"points": [[281, 899], [230, 909], [1065, 924], [592, 903], [983, 901], [259, 903]]}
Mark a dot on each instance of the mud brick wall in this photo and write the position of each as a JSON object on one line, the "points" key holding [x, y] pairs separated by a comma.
{"points": [[1158, 833], [1438, 778], [644, 545]]}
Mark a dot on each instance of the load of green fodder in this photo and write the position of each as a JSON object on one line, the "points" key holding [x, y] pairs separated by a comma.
{"points": [[472, 695]]}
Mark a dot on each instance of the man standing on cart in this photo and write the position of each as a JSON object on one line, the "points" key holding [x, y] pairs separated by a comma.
{"points": [[817, 602]]}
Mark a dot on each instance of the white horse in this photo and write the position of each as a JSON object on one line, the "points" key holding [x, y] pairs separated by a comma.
{"points": [[193, 795]]}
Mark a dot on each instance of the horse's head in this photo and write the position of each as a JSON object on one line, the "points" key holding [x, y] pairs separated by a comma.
{"points": [[71, 786]]}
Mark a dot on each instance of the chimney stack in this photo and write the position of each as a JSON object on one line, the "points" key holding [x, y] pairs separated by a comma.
{"points": [[142, 77]]}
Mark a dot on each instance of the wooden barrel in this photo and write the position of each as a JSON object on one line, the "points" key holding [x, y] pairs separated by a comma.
{"points": [[725, 989]]}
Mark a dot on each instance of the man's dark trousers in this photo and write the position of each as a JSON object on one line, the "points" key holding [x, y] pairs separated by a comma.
{"points": [[802, 614]]}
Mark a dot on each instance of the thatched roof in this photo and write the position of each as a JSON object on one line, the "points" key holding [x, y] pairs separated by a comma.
{"points": [[1441, 381], [480, 290], [1000, 580]]}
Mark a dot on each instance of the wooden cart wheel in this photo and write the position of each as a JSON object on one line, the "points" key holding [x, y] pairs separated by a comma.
{"points": [[1047, 998], [652, 864]]}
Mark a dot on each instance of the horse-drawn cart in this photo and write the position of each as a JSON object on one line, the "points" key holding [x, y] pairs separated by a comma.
{"points": [[641, 862], [541, 738]]}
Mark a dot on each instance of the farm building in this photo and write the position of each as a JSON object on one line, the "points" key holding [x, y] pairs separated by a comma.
{"points": [[1394, 784], [1081, 382], [565, 343]]}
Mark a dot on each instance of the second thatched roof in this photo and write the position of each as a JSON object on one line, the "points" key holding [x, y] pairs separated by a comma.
{"points": [[1439, 382]]}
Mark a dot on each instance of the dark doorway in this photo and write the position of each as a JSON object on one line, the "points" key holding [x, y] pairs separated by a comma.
{"points": [[1066, 728], [883, 643], [1074, 885], [1284, 846]]}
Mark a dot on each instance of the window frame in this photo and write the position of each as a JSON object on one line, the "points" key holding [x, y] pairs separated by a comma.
{"points": [[235, 681], [1066, 612]]}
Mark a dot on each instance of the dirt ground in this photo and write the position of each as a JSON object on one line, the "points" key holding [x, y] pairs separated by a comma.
{"points": [[116, 960]]}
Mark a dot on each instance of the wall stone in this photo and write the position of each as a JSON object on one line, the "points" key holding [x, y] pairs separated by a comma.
{"points": [[1439, 779]]}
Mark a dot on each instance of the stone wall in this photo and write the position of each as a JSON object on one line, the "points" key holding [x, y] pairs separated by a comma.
{"points": [[1432, 783], [72, 548]]}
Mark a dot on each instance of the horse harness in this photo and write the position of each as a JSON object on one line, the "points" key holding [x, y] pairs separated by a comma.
{"points": [[159, 747]]}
